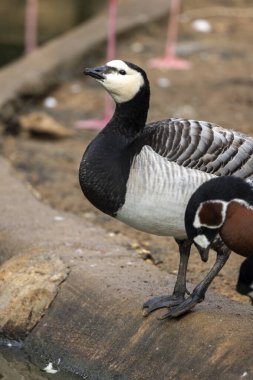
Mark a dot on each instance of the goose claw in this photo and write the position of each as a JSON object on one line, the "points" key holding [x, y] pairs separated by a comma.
{"points": [[184, 307], [161, 302]]}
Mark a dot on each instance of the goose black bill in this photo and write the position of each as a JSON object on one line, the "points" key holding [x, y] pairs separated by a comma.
{"points": [[96, 72]]}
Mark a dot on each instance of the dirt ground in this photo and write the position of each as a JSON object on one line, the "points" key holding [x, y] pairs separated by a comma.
{"points": [[217, 88]]}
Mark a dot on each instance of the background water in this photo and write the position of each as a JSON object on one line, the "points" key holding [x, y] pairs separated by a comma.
{"points": [[15, 365], [54, 17]]}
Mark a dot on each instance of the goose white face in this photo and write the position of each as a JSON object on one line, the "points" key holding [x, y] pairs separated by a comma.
{"points": [[121, 81]]}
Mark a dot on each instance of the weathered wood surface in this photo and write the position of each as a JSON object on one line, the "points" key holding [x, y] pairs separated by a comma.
{"points": [[88, 318]]}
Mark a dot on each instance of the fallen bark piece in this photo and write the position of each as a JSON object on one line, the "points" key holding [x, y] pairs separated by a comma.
{"points": [[28, 285], [41, 124]]}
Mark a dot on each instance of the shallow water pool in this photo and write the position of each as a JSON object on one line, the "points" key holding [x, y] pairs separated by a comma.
{"points": [[16, 365]]}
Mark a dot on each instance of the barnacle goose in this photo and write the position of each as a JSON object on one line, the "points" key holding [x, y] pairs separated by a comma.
{"points": [[144, 175]]}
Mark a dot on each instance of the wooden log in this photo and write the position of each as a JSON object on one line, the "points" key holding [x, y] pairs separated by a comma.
{"points": [[93, 325]]}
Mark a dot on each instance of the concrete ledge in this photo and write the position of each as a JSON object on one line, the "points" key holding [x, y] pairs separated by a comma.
{"points": [[91, 323]]}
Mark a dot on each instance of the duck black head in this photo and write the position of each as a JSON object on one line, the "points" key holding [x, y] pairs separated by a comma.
{"points": [[208, 219], [202, 223]]}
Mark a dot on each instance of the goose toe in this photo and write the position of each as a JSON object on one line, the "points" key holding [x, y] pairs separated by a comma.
{"points": [[184, 307], [160, 302]]}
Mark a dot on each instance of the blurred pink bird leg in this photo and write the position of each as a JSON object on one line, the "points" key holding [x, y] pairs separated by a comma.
{"points": [[170, 60], [110, 54], [31, 24]]}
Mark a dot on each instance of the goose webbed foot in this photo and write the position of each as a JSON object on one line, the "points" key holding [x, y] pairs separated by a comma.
{"points": [[161, 302], [178, 295], [185, 306], [199, 292]]}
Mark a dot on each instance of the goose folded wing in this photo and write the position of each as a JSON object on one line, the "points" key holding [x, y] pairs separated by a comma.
{"points": [[201, 145]]}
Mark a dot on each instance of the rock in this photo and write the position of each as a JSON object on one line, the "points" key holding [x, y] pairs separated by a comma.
{"points": [[28, 285], [17, 367], [41, 124]]}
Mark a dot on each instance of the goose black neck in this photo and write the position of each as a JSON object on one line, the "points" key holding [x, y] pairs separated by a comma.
{"points": [[130, 117]]}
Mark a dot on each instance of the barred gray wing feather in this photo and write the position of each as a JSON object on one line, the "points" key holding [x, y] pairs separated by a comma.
{"points": [[201, 145]]}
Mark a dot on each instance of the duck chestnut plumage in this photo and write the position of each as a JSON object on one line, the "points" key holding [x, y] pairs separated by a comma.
{"points": [[222, 208], [144, 174]]}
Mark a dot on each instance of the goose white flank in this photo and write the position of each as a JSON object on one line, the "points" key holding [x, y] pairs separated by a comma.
{"points": [[144, 174]]}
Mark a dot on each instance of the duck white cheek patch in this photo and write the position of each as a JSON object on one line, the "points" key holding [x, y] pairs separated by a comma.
{"points": [[197, 223], [202, 241]]}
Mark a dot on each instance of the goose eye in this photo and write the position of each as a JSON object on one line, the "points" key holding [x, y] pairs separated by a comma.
{"points": [[122, 72]]}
